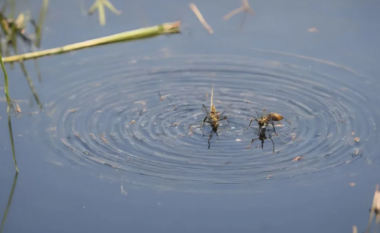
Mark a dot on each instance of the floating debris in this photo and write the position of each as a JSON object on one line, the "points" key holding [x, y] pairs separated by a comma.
{"points": [[357, 152], [92, 135], [51, 129], [313, 29], [162, 97], [298, 158], [238, 140], [140, 102], [357, 139], [77, 134], [102, 136], [245, 7], [352, 184], [175, 124], [17, 108], [73, 110], [132, 122], [194, 8], [123, 191]]}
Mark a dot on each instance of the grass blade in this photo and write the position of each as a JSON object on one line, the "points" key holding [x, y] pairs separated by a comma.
{"points": [[9, 203], [93, 7], [38, 70], [102, 14], [30, 82], [41, 21], [165, 28], [6, 83], [111, 7], [9, 103]]}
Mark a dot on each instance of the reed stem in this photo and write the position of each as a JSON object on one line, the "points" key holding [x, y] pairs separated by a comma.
{"points": [[165, 28]]}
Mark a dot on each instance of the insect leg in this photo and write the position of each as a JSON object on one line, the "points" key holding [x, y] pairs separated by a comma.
{"points": [[225, 118], [274, 128], [250, 123], [202, 125], [210, 136], [272, 143], [252, 142], [204, 108]]}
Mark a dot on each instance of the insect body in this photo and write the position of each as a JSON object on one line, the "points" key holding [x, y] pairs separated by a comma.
{"points": [[262, 137], [213, 117], [266, 118]]}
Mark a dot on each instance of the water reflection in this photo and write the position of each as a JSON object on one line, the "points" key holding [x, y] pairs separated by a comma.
{"points": [[9, 202], [374, 210]]}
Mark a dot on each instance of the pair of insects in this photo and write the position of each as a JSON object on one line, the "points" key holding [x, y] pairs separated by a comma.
{"points": [[214, 117]]}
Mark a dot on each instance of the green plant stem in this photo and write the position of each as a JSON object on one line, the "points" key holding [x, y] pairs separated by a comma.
{"points": [[9, 103], [129, 35], [6, 84]]}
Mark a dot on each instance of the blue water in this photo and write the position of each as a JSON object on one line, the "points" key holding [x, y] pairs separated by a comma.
{"points": [[324, 82]]}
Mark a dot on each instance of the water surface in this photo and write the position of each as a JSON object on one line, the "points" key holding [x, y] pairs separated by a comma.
{"points": [[84, 166]]}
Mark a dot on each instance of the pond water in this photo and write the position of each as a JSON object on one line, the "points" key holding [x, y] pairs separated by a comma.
{"points": [[118, 145]]}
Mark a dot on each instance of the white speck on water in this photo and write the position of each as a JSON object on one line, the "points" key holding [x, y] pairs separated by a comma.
{"points": [[238, 140]]}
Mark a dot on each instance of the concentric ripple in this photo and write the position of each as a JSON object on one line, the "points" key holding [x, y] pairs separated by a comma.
{"points": [[139, 120]]}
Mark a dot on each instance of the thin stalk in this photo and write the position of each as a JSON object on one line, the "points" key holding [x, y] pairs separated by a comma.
{"points": [[12, 142], [9, 103], [9, 203], [30, 82], [6, 84], [41, 21], [39, 30], [129, 35]]}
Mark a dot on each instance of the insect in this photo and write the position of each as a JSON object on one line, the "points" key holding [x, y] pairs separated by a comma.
{"points": [[213, 117], [262, 137], [266, 118]]}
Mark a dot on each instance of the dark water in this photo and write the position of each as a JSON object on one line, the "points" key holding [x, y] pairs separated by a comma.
{"points": [[106, 154]]}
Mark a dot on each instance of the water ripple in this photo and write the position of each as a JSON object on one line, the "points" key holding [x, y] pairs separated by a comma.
{"points": [[109, 118]]}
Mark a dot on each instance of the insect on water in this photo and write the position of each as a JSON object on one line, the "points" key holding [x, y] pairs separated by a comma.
{"points": [[262, 137], [263, 121], [213, 117], [266, 118]]}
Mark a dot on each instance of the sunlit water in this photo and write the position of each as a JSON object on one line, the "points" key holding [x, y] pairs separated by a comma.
{"points": [[108, 117]]}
